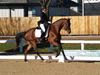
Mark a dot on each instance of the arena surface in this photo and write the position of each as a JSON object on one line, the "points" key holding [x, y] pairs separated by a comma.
{"points": [[37, 67]]}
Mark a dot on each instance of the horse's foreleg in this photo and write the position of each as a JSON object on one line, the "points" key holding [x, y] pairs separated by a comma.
{"points": [[58, 49], [39, 55], [35, 47], [63, 52], [26, 51]]}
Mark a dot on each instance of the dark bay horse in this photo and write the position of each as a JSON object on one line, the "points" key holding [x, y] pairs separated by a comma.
{"points": [[54, 37]]}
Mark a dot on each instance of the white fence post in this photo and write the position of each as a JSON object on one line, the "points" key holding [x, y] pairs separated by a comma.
{"points": [[82, 46]]}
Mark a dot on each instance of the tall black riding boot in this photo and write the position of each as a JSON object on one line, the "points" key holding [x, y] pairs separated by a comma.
{"points": [[42, 38]]}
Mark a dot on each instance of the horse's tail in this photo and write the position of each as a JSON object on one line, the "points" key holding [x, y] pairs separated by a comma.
{"points": [[19, 37]]}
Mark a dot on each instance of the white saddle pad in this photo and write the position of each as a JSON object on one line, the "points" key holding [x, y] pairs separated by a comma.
{"points": [[38, 33]]}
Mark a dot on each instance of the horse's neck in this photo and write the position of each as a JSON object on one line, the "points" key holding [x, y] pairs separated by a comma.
{"points": [[57, 27]]}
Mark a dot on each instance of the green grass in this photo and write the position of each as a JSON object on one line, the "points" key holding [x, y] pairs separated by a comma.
{"points": [[7, 46], [77, 46], [11, 46], [92, 46], [71, 46]]}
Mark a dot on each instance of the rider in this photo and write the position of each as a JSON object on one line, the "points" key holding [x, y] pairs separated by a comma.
{"points": [[44, 23]]}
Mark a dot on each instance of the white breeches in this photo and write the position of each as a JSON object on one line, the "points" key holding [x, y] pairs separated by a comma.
{"points": [[42, 27]]}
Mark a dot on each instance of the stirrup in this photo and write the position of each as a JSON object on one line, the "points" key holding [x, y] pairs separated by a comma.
{"points": [[41, 40]]}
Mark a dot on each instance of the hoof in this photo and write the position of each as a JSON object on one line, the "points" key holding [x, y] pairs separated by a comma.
{"points": [[44, 61], [61, 61], [26, 61]]}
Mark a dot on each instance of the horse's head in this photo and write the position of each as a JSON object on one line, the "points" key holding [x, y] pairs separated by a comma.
{"points": [[67, 25]]}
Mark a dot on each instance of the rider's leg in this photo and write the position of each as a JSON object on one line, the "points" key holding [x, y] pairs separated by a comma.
{"points": [[43, 29]]}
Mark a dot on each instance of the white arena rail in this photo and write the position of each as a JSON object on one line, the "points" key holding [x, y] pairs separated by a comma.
{"points": [[82, 42], [75, 55]]}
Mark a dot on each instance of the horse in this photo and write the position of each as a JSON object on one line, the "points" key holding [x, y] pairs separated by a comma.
{"points": [[54, 37]]}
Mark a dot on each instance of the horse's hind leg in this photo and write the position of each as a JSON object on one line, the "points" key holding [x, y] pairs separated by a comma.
{"points": [[26, 51]]}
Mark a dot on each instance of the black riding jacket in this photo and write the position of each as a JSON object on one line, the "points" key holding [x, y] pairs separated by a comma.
{"points": [[44, 17]]}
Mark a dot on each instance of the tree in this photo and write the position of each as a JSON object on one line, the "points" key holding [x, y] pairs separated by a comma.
{"points": [[45, 3], [59, 3]]}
